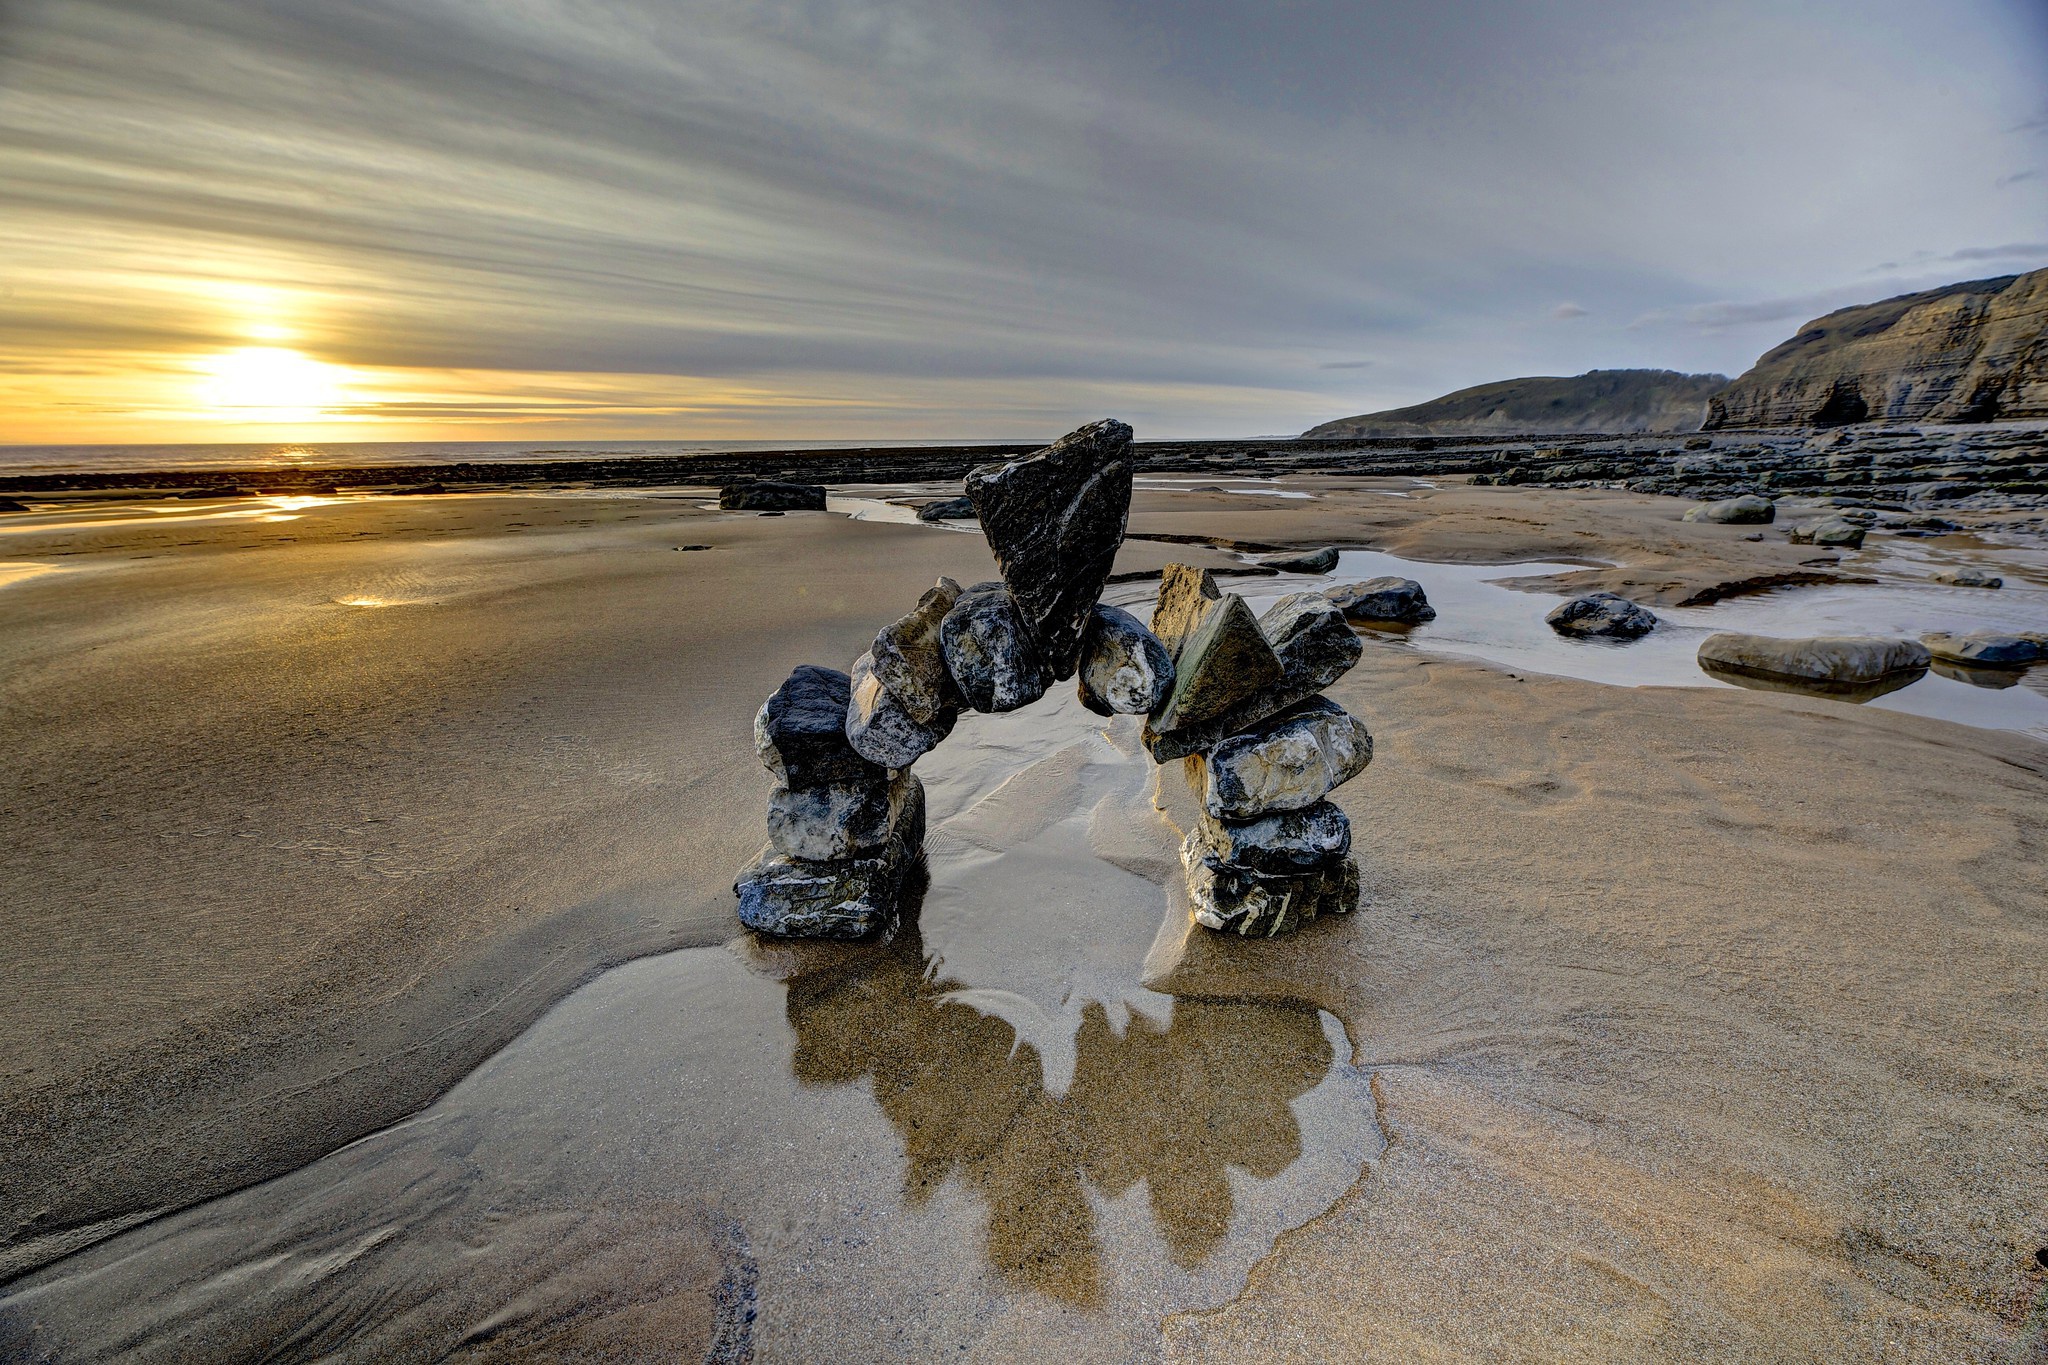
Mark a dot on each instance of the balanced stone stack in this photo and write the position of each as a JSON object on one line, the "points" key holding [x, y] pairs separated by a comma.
{"points": [[1233, 693], [1263, 750]]}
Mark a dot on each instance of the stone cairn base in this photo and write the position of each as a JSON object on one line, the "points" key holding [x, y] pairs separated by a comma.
{"points": [[1234, 695]]}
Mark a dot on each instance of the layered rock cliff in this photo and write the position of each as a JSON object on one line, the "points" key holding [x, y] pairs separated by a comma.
{"points": [[1970, 352], [1598, 401]]}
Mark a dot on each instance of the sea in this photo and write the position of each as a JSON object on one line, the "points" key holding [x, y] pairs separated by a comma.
{"points": [[73, 459]]}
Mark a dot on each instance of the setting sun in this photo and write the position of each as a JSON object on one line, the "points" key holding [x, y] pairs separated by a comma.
{"points": [[269, 384]]}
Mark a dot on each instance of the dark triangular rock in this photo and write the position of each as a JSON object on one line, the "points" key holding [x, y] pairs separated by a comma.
{"points": [[1055, 520]]}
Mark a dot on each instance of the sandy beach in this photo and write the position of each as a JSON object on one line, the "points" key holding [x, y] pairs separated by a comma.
{"points": [[1679, 1020]]}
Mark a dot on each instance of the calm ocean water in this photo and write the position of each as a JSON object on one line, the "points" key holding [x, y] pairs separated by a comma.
{"points": [[348, 454]]}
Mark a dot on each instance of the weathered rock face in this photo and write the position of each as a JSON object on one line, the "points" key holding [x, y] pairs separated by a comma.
{"points": [[1747, 510], [989, 651], [881, 729], [1125, 670], [1838, 532], [1236, 900], [1314, 645], [834, 821], [1987, 649], [1841, 660], [1602, 614], [800, 732], [1400, 600], [1970, 352], [949, 509], [842, 898], [1284, 843], [1291, 761], [909, 659], [1225, 660], [1055, 520], [1969, 578], [767, 496], [1301, 561], [1185, 596]]}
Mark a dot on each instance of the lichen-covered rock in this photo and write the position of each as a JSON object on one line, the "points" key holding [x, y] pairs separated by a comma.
{"points": [[800, 731], [836, 820], [1747, 510], [989, 651], [1301, 561], [1969, 578], [947, 509], [1225, 660], [1840, 660], [1400, 600], [1055, 520], [843, 898], [1125, 670], [1315, 647], [1987, 649], [1602, 614], [909, 659], [1290, 761], [1284, 843], [768, 496], [881, 729], [1237, 900]]}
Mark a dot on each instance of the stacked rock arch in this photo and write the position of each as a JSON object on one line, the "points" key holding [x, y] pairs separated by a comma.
{"points": [[1235, 696]]}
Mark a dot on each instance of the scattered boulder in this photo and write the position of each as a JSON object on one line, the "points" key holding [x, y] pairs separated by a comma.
{"points": [[1125, 670], [766, 495], [1841, 660], [1283, 843], [800, 731], [989, 651], [1290, 761], [1055, 520], [1399, 600], [843, 898], [1301, 561], [1747, 510], [1237, 900], [1837, 531], [1603, 615], [949, 509], [1224, 661], [909, 659], [1987, 649], [881, 729], [1969, 578], [835, 821]]}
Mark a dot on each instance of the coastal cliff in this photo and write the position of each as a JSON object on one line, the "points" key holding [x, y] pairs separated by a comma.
{"points": [[1597, 401], [1970, 352]]}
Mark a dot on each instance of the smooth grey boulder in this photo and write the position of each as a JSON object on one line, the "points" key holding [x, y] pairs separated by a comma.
{"points": [[836, 820], [1301, 561], [1225, 660], [769, 496], [1055, 520], [1281, 844], [881, 729], [950, 509], [1290, 761], [843, 898], [1987, 648], [1314, 645], [911, 662], [1237, 900], [1388, 598], [1125, 670], [1602, 614], [800, 731], [1838, 660], [989, 651], [1969, 578], [1836, 531], [1747, 510]]}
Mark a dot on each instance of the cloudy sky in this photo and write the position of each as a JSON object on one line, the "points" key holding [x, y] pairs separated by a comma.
{"points": [[537, 219]]}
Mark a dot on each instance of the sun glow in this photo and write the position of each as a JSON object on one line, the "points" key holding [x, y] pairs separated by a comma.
{"points": [[269, 384]]}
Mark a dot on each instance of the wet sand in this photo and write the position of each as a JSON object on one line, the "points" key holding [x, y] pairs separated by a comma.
{"points": [[1679, 1021]]}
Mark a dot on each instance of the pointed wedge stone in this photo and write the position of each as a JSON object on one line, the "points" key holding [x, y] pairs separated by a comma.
{"points": [[1055, 520], [1186, 595], [1315, 646], [1225, 660], [909, 659]]}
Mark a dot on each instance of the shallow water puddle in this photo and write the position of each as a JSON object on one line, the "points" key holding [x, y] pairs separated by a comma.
{"points": [[989, 1139]]}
